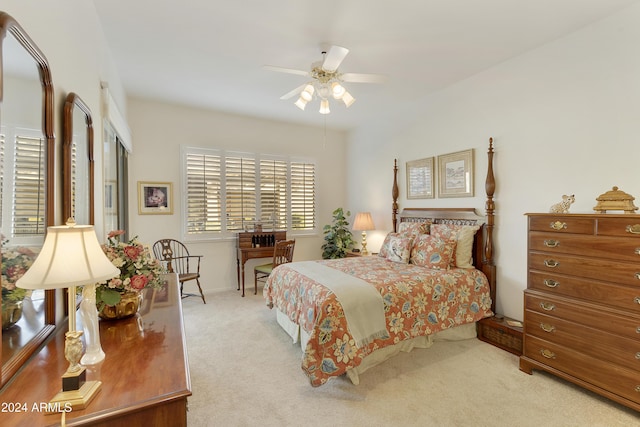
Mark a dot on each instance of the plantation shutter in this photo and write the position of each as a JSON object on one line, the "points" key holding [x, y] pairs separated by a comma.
{"points": [[303, 196], [273, 193], [241, 195], [204, 193], [29, 187]]}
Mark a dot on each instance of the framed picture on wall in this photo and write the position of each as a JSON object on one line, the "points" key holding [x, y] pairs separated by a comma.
{"points": [[455, 172], [155, 198], [420, 179]]}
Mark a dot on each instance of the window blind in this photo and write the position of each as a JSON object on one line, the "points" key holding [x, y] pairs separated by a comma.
{"points": [[226, 192], [204, 193], [29, 187]]}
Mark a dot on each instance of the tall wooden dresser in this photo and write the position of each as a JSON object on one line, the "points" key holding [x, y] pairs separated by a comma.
{"points": [[582, 303]]}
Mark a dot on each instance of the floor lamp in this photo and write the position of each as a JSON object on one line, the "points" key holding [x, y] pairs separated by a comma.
{"points": [[71, 256]]}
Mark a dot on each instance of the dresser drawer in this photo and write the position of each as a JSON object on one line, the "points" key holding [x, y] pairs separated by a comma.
{"points": [[593, 342], [562, 224], [608, 376], [624, 226], [591, 315], [609, 247], [624, 297], [624, 273]]}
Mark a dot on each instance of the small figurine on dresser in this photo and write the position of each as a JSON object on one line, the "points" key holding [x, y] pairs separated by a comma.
{"points": [[563, 206]]}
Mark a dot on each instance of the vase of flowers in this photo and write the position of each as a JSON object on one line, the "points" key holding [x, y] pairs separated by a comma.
{"points": [[15, 262], [121, 296]]}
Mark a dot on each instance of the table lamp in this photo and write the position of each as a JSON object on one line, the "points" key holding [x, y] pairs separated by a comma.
{"points": [[71, 256], [363, 222]]}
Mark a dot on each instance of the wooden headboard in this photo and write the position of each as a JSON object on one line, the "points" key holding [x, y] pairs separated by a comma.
{"points": [[483, 241]]}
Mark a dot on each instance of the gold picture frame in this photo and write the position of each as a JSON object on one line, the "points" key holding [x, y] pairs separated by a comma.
{"points": [[420, 179], [455, 172], [155, 198]]}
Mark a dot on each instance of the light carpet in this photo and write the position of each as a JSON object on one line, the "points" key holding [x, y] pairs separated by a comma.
{"points": [[245, 371]]}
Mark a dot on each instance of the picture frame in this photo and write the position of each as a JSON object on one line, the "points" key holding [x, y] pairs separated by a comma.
{"points": [[155, 198], [455, 172], [420, 179]]}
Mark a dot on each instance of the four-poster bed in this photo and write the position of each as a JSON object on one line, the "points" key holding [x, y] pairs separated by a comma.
{"points": [[433, 279]]}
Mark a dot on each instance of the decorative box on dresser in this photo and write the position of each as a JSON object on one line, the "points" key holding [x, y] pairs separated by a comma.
{"points": [[582, 302]]}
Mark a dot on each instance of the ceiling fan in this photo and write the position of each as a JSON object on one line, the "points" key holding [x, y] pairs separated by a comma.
{"points": [[326, 80]]}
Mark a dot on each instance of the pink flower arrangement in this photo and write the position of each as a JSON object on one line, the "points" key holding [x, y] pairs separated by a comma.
{"points": [[138, 269]]}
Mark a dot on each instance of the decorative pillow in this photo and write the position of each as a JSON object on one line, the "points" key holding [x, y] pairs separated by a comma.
{"points": [[396, 248], [432, 252], [463, 236], [413, 229]]}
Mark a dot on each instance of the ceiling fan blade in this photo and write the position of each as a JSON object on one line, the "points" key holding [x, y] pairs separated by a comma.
{"points": [[293, 92], [334, 58], [285, 70], [363, 78]]}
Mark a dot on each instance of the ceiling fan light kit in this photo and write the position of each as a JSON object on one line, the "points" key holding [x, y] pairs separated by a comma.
{"points": [[326, 81]]}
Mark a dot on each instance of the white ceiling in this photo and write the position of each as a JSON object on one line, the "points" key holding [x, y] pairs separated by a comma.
{"points": [[210, 53]]}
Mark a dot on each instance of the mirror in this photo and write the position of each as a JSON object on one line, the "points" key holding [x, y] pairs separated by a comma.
{"points": [[77, 162], [26, 172]]}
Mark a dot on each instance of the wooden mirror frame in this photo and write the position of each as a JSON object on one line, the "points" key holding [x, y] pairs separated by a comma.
{"points": [[8, 25], [72, 102]]}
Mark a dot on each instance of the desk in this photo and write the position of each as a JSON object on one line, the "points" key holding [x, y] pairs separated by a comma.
{"points": [[145, 375], [245, 250]]}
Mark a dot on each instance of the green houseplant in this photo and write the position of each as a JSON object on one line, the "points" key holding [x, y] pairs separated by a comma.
{"points": [[337, 236]]}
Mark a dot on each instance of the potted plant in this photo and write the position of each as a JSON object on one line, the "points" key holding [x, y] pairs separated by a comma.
{"points": [[337, 236]]}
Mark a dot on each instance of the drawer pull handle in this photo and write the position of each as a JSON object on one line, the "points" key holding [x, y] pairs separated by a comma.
{"points": [[555, 243], [638, 330], [637, 276], [637, 251], [638, 388], [633, 229], [558, 225], [638, 355], [637, 301], [547, 306], [552, 263], [550, 328], [550, 283], [548, 354]]}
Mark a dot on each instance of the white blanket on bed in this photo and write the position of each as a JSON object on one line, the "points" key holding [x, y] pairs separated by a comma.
{"points": [[362, 303]]}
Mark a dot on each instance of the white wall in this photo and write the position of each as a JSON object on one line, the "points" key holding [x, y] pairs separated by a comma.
{"points": [[565, 119], [159, 129]]}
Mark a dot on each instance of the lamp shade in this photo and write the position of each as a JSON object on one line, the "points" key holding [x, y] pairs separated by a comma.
{"points": [[363, 222], [70, 256]]}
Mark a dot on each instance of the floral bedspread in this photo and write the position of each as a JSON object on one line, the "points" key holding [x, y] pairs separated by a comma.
{"points": [[417, 302]]}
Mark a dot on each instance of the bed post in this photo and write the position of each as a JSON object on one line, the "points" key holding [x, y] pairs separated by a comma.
{"points": [[488, 263], [394, 193]]}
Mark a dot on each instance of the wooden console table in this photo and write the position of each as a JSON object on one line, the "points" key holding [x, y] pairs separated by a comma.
{"points": [[246, 249], [145, 375]]}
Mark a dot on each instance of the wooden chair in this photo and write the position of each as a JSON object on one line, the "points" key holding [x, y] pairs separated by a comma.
{"points": [[282, 254], [178, 260]]}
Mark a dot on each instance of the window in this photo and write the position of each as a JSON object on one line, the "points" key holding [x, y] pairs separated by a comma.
{"points": [[22, 175], [226, 192], [116, 158]]}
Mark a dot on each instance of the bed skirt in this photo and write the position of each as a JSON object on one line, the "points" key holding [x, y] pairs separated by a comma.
{"points": [[299, 335]]}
